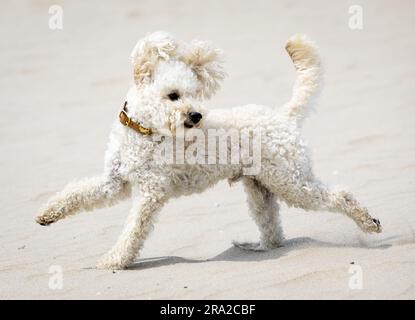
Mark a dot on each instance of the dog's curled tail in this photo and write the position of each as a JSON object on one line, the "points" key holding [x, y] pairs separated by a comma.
{"points": [[306, 59]]}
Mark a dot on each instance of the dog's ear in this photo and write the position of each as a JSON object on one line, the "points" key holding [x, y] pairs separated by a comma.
{"points": [[207, 63], [147, 52]]}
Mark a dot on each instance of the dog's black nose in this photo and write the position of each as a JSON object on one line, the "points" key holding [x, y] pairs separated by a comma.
{"points": [[195, 117]]}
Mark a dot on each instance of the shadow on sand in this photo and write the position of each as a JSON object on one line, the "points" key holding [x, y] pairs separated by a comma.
{"points": [[236, 254]]}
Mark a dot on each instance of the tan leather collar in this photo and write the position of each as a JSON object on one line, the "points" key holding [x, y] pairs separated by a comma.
{"points": [[126, 121]]}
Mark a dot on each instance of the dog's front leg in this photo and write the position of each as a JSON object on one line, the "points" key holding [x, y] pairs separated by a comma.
{"points": [[86, 194], [138, 225]]}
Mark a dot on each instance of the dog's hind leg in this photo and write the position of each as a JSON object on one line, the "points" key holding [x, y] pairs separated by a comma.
{"points": [[344, 202], [264, 209], [86, 194], [136, 229], [316, 196]]}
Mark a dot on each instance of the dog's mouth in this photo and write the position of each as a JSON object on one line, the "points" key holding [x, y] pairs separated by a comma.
{"points": [[188, 125]]}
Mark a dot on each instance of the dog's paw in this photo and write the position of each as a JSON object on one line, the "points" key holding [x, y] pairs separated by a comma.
{"points": [[51, 213], [371, 226], [47, 217], [43, 221], [253, 246], [112, 262]]}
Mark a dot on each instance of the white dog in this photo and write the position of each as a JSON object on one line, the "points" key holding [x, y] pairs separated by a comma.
{"points": [[170, 78]]}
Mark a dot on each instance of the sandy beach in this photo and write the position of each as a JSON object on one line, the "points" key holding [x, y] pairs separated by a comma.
{"points": [[61, 90]]}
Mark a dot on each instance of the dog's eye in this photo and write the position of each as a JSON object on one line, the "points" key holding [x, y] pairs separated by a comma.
{"points": [[173, 96]]}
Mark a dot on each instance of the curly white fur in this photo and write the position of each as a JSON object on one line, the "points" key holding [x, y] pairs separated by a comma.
{"points": [[194, 71]]}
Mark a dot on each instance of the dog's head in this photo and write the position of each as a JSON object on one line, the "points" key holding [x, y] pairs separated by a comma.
{"points": [[171, 79]]}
